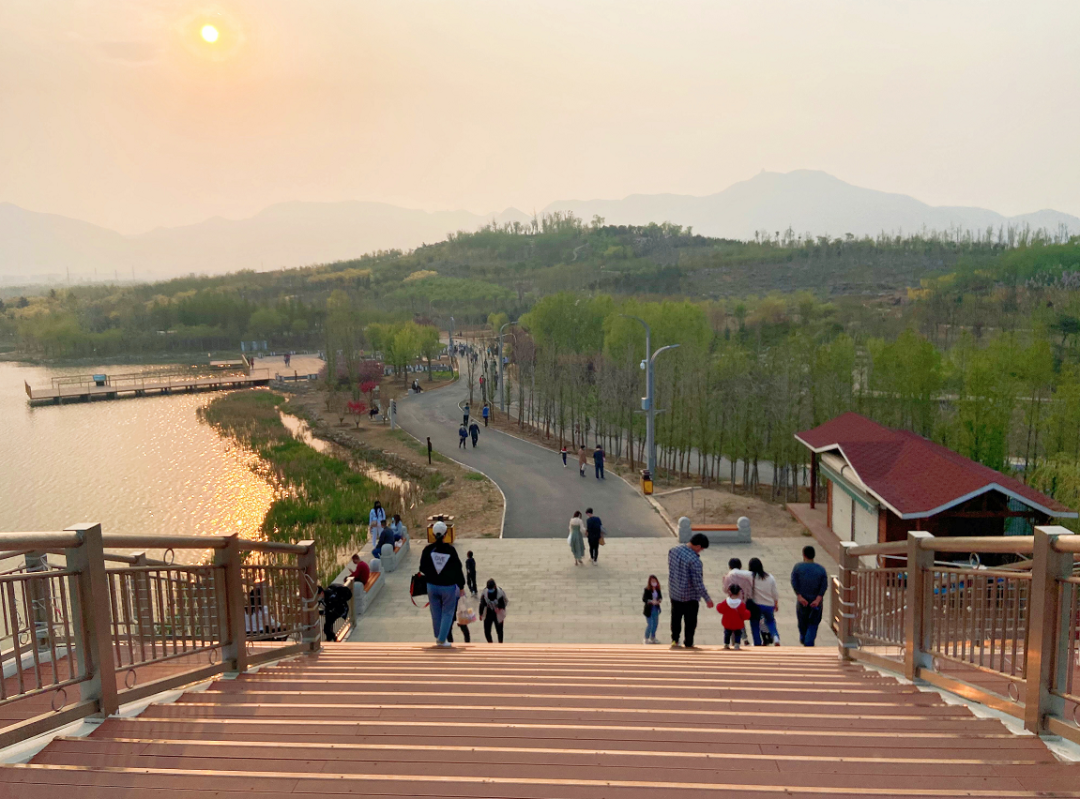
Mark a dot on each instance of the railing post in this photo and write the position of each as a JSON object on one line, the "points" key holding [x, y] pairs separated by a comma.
{"points": [[91, 615], [919, 605], [845, 598], [234, 647], [1048, 631], [309, 600]]}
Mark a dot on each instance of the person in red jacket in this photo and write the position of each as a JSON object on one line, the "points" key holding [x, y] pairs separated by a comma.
{"points": [[733, 614]]}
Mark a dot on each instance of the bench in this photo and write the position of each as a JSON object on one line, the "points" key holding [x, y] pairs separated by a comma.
{"points": [[392, 559], [362, 600], [362, 596], [738, 533]]}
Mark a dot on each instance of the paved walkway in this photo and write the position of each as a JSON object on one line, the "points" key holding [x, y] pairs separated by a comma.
{"points": [[553, 601], [540, 494]]}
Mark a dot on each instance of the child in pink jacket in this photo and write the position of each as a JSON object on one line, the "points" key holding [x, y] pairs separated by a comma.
{"points": [[733, 614]]}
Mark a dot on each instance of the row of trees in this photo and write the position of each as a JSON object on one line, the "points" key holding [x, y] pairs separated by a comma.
{"points": [[732, 402]]}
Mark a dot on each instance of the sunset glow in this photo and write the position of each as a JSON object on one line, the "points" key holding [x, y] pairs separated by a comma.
{"points": [[210, 33]]}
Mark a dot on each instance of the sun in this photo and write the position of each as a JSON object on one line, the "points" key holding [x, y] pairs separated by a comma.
{"points": [[210, 33]]}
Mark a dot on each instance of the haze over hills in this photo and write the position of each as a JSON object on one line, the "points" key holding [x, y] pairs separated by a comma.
{"points": [[35, 246]]}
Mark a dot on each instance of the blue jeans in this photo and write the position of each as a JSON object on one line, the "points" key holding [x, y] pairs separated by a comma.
{"points": [[653, 622], [769, 614], [809, 618], [443, 599]]}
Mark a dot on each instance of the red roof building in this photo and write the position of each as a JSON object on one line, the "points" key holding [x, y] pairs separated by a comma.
{"points": [[883, 483]]}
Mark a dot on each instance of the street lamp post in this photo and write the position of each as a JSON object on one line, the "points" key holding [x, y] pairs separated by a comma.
{"points": [[648, 402], [502, 389], [450, 331]]}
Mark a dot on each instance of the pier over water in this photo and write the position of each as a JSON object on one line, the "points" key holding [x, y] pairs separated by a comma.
{"points": [[83, 388]]}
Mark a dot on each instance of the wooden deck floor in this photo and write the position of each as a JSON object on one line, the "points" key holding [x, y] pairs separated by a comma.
{"points": [[551, 722]]}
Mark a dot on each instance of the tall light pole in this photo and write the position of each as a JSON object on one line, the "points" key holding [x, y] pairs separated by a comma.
{"points": [[502, 389], [450, 331], [648, 402]]}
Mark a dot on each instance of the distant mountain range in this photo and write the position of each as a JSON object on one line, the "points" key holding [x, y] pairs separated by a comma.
{"points": [[40, 247]]}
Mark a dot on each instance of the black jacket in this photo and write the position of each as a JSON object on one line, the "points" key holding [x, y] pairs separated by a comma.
{"points": [[646, 596], [595, 528], [451, 573]]}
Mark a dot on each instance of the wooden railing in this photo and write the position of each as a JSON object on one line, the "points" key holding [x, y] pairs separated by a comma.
{"points": [[95, 630], [1005, 636]]}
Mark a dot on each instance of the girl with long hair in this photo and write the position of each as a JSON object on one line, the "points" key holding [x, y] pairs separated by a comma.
{"points": [[767, 598], [652, 597]]}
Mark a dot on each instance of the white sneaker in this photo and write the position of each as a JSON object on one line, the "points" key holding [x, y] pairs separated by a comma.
{"points": [[737, 646], [443, 644], [646, 641]]}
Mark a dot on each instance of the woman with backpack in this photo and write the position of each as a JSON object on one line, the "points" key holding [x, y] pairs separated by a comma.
{"points": [[652, 597], [767, 598], [493, 604]]}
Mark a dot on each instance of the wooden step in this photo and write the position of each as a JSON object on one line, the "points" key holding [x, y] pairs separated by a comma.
{"points": [[498, 787], [992, 736], [534, 722]]}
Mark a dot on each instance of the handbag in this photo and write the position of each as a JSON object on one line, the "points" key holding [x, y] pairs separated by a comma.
{"points": [[601, 540], [418, 587]]}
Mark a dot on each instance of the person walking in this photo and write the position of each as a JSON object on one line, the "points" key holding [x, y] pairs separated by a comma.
{"points": [[474, 432], [465, 410], [463, 435], [486, 413], [767, 599], [652, 596], [575, 539], [598, 462], [686, 587], [810, 583], [582, 459], [594, 528], [563, 453], [739, 576], [733, 613], [470, 572], [441, 567], [493, 604], [335, 605]]}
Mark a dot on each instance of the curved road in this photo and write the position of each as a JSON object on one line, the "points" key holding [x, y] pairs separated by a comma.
{"points": [[540, 494]]}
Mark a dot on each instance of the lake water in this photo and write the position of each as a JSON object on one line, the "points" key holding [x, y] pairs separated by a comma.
{"points": [[144, 465]]}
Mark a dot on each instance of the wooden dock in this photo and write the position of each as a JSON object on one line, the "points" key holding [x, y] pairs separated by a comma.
{"points": [[85, 388]]}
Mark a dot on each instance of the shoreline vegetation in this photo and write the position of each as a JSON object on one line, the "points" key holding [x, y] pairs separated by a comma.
{"points": [[320, 497]]}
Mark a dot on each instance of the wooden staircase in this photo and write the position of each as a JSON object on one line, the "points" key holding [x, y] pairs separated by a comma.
{"points": [[549, 722]]}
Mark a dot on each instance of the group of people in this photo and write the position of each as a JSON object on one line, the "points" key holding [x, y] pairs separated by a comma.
{"points": [[446, 583], [471, 429], [590, 529], [752, 596], [598, 456], [381, 532]]}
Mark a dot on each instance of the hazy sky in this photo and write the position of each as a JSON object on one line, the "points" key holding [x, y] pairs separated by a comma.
{"points": [[118, 112]]}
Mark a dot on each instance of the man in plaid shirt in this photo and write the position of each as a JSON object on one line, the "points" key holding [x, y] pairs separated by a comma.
{"points": [[686, 586]]}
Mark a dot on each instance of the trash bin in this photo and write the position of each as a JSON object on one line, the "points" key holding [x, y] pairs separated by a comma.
{"points": [[646, 481], [448, 521]]}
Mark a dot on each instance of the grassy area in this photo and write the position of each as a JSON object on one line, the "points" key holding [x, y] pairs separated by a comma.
{"points": [[321, 497], [475, 476], [417, 446]]}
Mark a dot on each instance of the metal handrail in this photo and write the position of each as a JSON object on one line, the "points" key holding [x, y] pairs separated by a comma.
{"points": [[32, 541], [93, 625]]}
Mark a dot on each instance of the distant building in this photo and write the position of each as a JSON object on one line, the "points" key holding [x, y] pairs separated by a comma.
{"points": [[883, 483]]}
